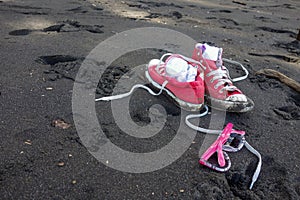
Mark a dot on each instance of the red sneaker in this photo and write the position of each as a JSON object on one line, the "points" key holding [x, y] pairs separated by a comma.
{"points": [[180, 77], [220, 92]]}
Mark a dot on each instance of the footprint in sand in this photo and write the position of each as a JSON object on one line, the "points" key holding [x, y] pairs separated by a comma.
{"points": [[20, 32], [272, 30], [61, 66], [65, 26], [291, 112], [273, 183]]}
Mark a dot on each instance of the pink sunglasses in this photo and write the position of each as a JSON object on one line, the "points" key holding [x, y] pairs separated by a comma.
{"points": [[229, 140]]}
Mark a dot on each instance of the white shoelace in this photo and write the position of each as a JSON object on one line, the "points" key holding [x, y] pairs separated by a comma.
{"points": [[258, 167], [120, 96], [218, 132], [222, 75], [191, 116], [243, 68]]}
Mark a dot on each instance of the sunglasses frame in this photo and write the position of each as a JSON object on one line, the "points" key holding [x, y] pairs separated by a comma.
{"points": [[221, 146]]}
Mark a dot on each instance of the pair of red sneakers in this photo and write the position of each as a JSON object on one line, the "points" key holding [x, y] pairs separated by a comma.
{"points": [[191, 81]]}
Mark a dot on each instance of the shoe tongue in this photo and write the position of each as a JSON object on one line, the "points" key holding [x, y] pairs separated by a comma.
{"points": [[212, 53], [175, 66]]}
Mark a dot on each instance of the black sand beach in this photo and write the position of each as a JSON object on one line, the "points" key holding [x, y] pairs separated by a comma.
{"points": [[43, 44]]}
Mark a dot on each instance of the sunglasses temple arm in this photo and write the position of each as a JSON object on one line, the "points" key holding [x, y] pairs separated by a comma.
{"points": [[221, 159], [209, 152], [258, 168], [217, 146]]}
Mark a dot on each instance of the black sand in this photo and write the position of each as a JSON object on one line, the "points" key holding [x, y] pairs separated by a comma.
{"points": [[42, 46]]}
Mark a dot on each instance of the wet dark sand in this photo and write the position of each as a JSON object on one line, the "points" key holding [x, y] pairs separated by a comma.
{"points": [[42, 47]]}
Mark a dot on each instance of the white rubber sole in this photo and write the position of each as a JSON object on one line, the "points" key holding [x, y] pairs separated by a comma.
{"points": [[230, 106]]}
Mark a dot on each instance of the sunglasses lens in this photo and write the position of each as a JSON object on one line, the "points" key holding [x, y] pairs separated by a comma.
{"points": [[234, 143], [212, 163]]}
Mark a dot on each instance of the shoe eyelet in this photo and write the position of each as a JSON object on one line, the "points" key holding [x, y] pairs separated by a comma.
{"points": [[215, 87]]}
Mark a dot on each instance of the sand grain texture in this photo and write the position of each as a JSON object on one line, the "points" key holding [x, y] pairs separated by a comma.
{"points": [[43, 44]]}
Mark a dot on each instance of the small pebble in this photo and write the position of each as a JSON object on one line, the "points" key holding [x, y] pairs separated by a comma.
{"points": [[28, 142], [61, 164], [246, 60], [60, 124], [74, 182], [49, 88], [181, 190]]}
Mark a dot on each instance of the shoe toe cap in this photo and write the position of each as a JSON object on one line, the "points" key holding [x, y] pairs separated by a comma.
{"points": [[237, 98], [154, 62]]}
